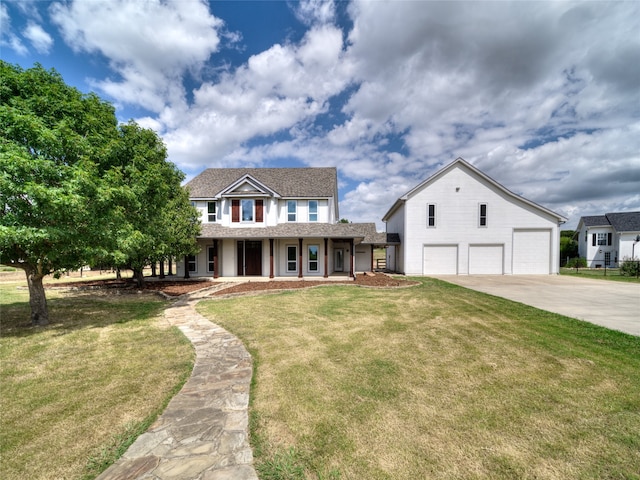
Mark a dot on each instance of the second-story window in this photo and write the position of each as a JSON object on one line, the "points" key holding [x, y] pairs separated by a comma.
{"points": [[431, 215], [211, 211], [247, 213], [292, 209], [482, 220], [313, 210]]}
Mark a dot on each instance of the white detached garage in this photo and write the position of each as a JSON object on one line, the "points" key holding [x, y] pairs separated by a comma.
{"points": [[460, 221]]}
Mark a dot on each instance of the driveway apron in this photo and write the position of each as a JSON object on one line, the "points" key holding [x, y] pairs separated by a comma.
{"points": [[203, 433], [614, 305]]}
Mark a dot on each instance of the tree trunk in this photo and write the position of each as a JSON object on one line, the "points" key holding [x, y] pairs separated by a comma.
{"points": [[170, 266], [37, 298], [138, 277], [162, 268], [186, 266]]}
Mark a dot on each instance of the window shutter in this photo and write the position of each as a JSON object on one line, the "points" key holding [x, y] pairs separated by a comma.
{"points": [[235, 210], [259, 208], [593, 240], [609, 238]]}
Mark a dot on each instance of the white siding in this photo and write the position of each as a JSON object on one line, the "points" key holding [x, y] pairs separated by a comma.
{"points": [[486, 259], [363, 258], [457, 195]]}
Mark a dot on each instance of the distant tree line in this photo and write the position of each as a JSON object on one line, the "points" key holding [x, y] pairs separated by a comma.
{"points": [[77, 188]]}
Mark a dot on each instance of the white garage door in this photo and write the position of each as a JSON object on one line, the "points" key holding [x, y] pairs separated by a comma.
{"points": [[531, 252], [486, 260], [440, 260]]}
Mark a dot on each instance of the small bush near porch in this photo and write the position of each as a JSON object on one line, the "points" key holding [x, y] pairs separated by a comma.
{"points": [[433, 381]]}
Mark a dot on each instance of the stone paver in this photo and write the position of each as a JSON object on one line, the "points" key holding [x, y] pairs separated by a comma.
{"points": [[203, 433]]}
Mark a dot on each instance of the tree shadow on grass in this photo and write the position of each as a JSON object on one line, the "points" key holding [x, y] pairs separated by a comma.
{"points": [[80, 310]]}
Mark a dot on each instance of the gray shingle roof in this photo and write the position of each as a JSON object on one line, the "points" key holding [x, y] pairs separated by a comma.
{"points": [[361, 232], [595, 220], [287, 182], [620, 221], [625, 222]]}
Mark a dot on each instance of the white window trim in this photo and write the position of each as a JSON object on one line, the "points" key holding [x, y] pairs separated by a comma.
{"points": [[435, 215], [485, 216], [253, 210], [295, 262], [313, 213], [215, 212], [316, 261], [295, 211]]}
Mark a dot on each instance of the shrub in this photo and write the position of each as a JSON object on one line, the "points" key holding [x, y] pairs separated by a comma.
{"points": [[630, 266], [577, 263]]}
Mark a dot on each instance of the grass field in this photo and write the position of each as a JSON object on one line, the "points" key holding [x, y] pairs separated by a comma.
{"points": [[612, 274], [76, 393], [433, 381]]}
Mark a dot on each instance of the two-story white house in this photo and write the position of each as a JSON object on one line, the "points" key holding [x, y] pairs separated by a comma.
{"points": [[275, 222], [606, 240], [461, 221]]}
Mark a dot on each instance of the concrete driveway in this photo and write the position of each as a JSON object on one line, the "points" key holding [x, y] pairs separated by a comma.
{"points": [[615, 305]]}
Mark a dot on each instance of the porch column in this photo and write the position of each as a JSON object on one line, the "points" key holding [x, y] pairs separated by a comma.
{"points": [[216, 269], [299, 258], [271, 258], [326, 258], [351, 256], [372, 249]]}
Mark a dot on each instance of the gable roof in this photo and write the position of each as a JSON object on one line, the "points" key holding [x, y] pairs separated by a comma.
{"points": [[620, 221], [462, 163], [595, 221], [285, 182]]}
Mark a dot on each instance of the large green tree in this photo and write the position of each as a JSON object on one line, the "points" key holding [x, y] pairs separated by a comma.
{"points": [[159, 221], [51, 202], [75, 187]]}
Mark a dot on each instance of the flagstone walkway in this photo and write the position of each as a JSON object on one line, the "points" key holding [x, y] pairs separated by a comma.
{"points": [[203, 433]]}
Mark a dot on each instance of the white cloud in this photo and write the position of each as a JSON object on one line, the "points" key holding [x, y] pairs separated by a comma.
{"points": [[150, 44], [274, 91], [543, 96], [312, 12], [7, 37], [40, 39]]}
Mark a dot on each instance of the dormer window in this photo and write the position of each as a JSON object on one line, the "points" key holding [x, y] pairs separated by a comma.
{"points": [[247, 210]]}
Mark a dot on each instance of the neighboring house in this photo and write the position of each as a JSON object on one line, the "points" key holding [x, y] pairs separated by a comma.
{"points": [[606, 240], [460, 221], [275, 222]]}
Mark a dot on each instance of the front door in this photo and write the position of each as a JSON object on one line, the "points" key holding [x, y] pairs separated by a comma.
{"points": [[338, 264], [249, 257]]}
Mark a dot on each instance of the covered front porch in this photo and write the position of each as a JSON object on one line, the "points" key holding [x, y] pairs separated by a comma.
{"points": [[320, 251]]}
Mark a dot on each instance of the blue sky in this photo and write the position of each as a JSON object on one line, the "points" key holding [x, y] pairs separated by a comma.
{"points": [[542, 96]]}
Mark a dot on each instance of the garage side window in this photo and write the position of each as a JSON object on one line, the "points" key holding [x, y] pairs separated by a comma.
{"points": [[431, 215], [482, 218]]}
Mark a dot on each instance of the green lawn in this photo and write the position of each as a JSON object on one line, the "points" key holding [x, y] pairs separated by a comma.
{"points": [[76, 393], [612, 274], [433, 381]]}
